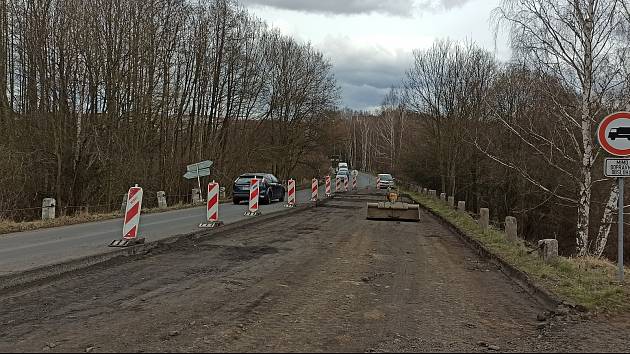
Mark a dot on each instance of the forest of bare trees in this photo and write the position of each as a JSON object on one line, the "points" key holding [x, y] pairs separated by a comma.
{"points": [[98, 95], [517, 137]]}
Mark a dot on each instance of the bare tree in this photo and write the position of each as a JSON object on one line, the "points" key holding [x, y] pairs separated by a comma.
{"points": [[571, 40]]}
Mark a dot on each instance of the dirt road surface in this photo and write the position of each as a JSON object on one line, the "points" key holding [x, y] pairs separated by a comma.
{"points": [[323, 279]]}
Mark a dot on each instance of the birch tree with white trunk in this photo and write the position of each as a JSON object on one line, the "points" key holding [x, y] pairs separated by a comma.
{"points": [[574, 41]]}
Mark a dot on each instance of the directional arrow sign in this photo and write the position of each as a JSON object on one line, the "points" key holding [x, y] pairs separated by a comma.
{"points": [[194, 174], [199, 166]]}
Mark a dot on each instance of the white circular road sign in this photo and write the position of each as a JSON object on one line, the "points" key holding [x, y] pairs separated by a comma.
{"points": [[355, 172], [613, 134]]}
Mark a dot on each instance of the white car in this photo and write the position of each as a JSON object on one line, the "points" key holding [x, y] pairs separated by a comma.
{"points": [[385, 181]]}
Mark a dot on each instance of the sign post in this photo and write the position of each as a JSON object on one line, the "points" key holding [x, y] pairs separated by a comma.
{"points": [[198, 170], [613, 135]]}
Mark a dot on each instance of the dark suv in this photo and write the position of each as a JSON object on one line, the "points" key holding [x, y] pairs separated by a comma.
{"points": [[270, 188]]}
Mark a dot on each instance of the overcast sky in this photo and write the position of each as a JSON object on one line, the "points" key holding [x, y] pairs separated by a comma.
{"points": [[370, 42]]}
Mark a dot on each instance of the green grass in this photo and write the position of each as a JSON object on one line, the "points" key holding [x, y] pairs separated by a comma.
{"points": [[588, 282]]}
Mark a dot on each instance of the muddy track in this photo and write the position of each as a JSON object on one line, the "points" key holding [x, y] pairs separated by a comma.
{"points": [[324, 279]]}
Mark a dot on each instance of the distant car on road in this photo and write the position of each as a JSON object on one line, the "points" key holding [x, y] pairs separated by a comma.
{"points": [[385, 181], [270, 188], [621, 132]]}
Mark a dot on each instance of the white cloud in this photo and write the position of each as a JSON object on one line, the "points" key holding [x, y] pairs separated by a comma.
{"points": [[343, 7], [372, 49]]}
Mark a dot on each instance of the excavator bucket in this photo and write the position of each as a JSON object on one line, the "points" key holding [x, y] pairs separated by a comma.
{"points": [[393, 209]]}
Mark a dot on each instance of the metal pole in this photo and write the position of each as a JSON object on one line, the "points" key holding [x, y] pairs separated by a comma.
{"points": [[198, 181], [620, 228]]}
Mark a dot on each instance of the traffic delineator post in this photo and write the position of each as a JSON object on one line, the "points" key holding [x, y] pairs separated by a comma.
{"points": [[337, 184], [254, 195], [131, 222], [314, 190], [290, 194], [345, 184], [354, 183], [212, 207], [328, 187], [378, 181]]}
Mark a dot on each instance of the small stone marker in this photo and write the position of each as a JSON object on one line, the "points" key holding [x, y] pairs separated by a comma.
{"points": [[461, 206], [511, 228], [161, 196], [548, 250], [196, 196], [484, 218], [48, 208], [443, 197], [451, 202]]}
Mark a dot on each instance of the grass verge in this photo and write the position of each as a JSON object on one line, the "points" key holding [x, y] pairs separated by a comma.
{"points": [[589, 282], [9, 226]]}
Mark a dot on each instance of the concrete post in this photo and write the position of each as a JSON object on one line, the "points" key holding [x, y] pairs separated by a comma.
{"points": [[511, 228], [222, 193], [425, 191], [461, 206], [451, 202], [196, 196], [548, 250], [48, 208], [443, 197], [161, 197], [484, 218], [433, 193], [123, 206]]}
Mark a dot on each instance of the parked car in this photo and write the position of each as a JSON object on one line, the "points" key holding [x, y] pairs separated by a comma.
{"points": [[270, 188], [385, 181]]}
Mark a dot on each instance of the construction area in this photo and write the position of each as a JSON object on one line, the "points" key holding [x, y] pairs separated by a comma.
{"points": [[316, 279]]}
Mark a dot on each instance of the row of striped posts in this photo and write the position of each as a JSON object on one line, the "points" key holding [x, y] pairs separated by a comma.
{"points": [[133, 208]]}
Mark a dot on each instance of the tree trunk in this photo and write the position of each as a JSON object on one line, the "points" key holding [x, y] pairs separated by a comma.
{"points": [[606, 223]]}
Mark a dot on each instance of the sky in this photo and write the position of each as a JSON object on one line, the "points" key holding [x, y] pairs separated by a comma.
{"points": [[371, 42]]}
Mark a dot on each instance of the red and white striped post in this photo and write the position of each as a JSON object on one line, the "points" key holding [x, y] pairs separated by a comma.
{"points": [[254, 194], [328, 187], [212, 215], [345, 184], [354, 183], [337, 184], [378, 181], [131, 223], [291, 194], [314, 190]]}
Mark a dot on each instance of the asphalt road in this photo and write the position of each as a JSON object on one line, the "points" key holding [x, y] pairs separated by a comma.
{"points": [[31, 249], [321, 280]]}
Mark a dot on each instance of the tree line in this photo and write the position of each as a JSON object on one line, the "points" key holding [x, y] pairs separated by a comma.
{"points": [[518, 137], [98, 95]]}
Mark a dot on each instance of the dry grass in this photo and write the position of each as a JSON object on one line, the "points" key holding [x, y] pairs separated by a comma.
{"points": [[588, 281], [9, 226]]}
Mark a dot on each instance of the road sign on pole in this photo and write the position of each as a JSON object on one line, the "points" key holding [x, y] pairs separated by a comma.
{"points": [[617, 167], [199, 166], [613, 135], [198, 170]]}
